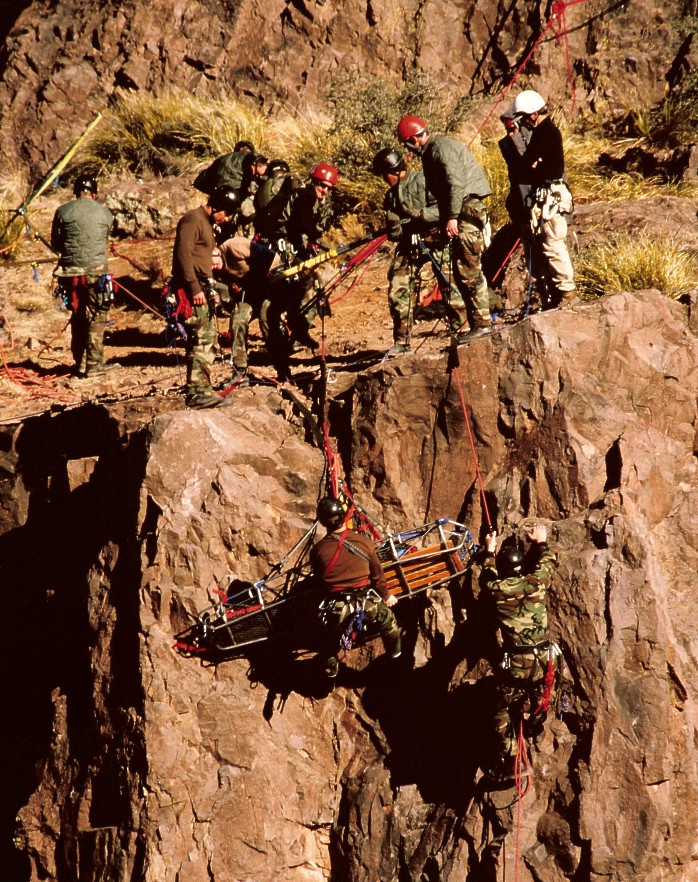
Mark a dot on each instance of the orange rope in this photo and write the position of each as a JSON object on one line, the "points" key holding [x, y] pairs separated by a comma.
{"points": [[520, 790]]}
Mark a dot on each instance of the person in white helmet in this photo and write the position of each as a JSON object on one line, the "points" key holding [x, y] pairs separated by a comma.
{"points": [[550, 201]]}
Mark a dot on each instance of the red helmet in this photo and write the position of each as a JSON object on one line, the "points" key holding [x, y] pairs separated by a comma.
{"points": [[325, 173], [409, 126]]}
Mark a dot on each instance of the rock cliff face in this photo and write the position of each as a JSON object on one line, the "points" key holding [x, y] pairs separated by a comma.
{"points": [[63, 61], [125, 760]]}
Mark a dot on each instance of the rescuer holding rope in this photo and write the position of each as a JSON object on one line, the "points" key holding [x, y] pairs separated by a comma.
{"points": [[549, 201], [410, 212], [526, 669]]}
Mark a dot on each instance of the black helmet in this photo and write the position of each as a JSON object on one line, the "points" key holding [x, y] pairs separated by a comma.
{"points": [[225, 199], [246, 146], [509, 561], [276, 167], [330, 513], [85, 183], [388, 161]]}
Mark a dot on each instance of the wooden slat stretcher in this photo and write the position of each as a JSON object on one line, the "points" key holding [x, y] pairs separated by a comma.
{"points": [[424, 568]]}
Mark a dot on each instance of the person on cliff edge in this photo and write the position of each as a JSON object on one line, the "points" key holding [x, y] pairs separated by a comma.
{"points": [[79, 234], [519, 602], [192, 268], [410, 211], [542, 168], [459, 184], [347, 569]]}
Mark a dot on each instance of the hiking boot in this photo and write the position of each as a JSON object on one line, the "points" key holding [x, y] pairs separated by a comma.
{"points": [[98, 370], [393, 647], [331, 668], [303, 340], [240, 377], [472, 334], [204, 400], [399, 347]]}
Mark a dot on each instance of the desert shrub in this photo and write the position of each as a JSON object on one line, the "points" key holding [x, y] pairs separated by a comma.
{"points": [[634, 263]]}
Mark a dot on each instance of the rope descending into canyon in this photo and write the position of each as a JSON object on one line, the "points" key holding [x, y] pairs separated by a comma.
{"points": [[453, 370]]}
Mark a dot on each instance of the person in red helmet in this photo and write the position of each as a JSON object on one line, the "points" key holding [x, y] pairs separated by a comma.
{"points": [[298, 236], [460, 186]]}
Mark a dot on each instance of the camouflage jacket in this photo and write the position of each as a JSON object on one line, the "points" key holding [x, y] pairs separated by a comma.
{"points": [[520, 600], [410, 193]]}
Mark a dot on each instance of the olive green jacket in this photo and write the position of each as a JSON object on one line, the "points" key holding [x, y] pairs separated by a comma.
{"points": [[79, 234], [452, 174], [401, 201]]}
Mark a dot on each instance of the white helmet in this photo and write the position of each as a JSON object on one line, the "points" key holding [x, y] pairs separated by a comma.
{"points": [[528, 102]]}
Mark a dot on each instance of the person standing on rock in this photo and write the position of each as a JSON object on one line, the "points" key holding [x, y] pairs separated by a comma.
{"points": [[192, 267], [550, 201], [411, 213], [520, 607], [297, 235], [245, 264], [347, 568], [460, 186], [225, 171], [79, 234]]}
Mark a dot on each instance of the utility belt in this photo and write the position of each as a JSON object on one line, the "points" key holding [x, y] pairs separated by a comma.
{"points": [[544, 650], [73, 289], [343, 602], [547, 200]]}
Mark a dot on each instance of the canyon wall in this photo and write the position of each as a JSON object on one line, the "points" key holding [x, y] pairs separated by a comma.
{"points": [[125, 760]]}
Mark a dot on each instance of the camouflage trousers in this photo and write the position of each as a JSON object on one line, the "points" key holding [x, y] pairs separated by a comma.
{"points": [[337, 611], [408, 275], [467, 251], [246, 308], [201, 339], [87, 325], [520, 689]]}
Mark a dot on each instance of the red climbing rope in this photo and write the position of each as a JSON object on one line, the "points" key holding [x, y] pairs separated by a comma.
{"points": [[472, 447], [506, 260], [523, 783], [548, 688], [558, 25]]}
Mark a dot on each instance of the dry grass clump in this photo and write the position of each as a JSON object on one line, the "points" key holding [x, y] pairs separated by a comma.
{"points": [[635, 263], [31, 302], [13, 190], [174, 132], [168, 134]]}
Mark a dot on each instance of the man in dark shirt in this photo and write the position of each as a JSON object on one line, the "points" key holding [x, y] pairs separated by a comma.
{"points": [[79, 234], [346, 566], [550, 201], [192, 266]]}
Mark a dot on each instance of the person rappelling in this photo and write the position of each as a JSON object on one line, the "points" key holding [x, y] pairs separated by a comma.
{"points": [[524, 675], [351, 577]]}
